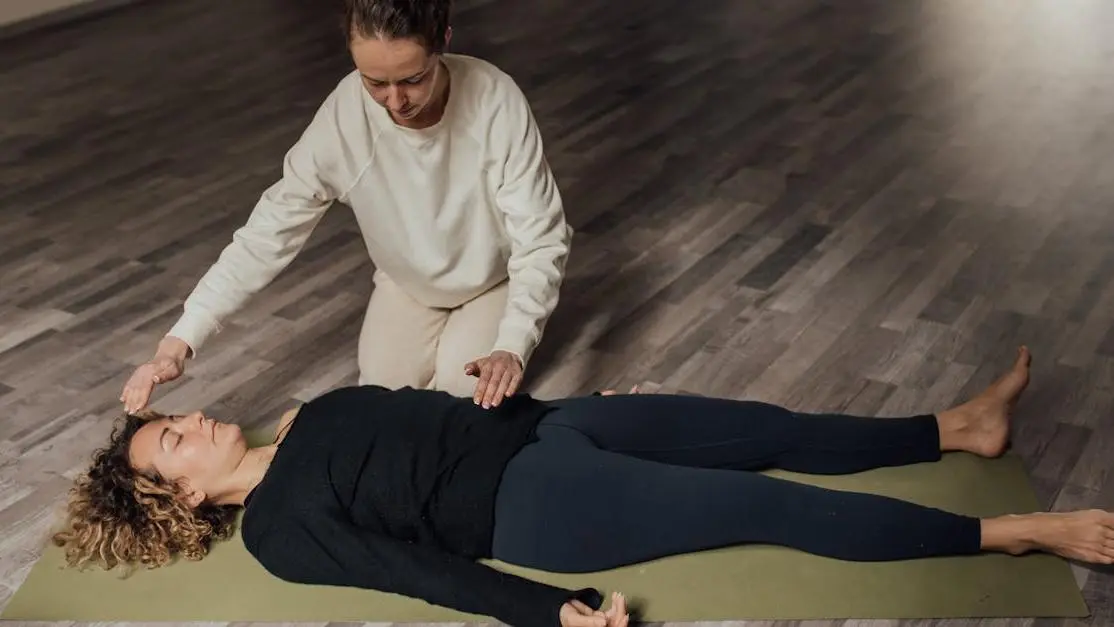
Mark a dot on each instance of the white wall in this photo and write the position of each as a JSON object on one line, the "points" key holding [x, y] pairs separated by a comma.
{"points": [[12, 11]]}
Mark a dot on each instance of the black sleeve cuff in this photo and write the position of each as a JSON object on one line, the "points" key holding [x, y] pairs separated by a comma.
{"points": [[589, 596]]}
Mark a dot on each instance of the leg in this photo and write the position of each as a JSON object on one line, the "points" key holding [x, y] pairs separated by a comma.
{"points": [[746, 435], [398, 341], [564, 505], [567, 506], [721, 433], [469, 333]]}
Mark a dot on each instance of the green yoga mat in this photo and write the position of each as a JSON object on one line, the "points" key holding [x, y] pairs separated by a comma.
{"points": [[740, 583]]}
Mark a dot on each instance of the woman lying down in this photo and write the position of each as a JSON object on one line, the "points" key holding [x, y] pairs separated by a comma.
{"points": [[403, 491]]}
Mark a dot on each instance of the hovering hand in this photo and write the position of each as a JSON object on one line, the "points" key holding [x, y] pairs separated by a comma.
{"points": [[576, 614], [499, 375], [168, 364]]}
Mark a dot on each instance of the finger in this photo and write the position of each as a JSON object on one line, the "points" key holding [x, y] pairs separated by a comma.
{"points": [[481, 385], [607, 393], [499, 372], [142, 395], [512, 387], [634, 389], [501, 391], [131, 393], [582, 620], [471, 368], [124, 390], [134, 399], [618, 607], [580, 607]]}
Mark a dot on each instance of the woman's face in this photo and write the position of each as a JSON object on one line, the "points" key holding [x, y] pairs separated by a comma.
{"points": [[197, 452], [400, 74]]}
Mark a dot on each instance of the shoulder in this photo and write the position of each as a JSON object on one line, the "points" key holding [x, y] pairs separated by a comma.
{"points": [[488, 89], [346, 104], [480, 71], [288, 417], [339, 133], [341, 116], [265, 533]]}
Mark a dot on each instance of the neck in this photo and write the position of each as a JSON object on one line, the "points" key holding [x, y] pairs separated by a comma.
{"points": [[247, 475]]}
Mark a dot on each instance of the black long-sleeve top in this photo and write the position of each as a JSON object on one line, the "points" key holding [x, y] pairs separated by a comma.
{"points": [[395, 491]]}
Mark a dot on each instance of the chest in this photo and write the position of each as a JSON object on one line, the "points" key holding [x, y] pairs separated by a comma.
{"points": [[442, 180]]}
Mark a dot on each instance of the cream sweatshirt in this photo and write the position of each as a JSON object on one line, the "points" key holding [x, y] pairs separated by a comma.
{"points": [[447, 212]]}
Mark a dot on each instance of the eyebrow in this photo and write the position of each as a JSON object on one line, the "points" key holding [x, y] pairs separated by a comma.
{"points": [[408, 78]]}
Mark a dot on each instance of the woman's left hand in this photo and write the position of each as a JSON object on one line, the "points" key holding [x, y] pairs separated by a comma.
{"points": [[500, 374], [576, 614]]}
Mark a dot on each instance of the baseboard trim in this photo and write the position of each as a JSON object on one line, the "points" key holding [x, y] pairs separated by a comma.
{"points": [[62, 17]]}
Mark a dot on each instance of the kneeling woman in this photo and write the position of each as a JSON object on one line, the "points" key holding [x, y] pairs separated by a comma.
{"points": [[402, 491]]}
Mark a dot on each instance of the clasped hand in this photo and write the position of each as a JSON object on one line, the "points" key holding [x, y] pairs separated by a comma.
{"points": [[576, 614]]}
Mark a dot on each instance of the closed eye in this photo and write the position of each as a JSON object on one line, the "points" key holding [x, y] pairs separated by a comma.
{"points": [[166, 430]]}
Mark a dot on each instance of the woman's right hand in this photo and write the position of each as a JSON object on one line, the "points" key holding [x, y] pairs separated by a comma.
{"points": [[168, 364], [576, 614]]}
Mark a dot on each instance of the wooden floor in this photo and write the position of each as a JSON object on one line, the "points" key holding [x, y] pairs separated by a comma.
{"points": [[856, 205]]}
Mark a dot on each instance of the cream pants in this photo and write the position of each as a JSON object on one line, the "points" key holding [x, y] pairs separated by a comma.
{"points": [[404, 343]]}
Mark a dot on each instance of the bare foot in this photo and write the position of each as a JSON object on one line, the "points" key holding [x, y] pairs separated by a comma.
{"points": [[1085, 536], [981, 425]]}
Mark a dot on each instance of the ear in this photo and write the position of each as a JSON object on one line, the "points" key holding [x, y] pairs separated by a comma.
{"points": [[195, 498], [191, 497]]}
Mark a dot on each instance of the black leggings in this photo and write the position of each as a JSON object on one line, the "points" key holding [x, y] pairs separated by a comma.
{"points": [[618, 480]]}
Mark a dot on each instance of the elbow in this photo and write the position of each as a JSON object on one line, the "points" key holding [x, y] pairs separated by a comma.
{"points": [[546, 258]]}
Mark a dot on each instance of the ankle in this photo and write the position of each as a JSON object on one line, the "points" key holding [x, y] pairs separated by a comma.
{"points": [[950, 426], [1012, 533]]}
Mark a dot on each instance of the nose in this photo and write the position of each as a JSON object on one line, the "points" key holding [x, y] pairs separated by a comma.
{"points": [[197, 419], [395, 99]]}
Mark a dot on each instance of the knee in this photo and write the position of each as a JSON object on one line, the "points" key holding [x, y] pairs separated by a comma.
{"points": [[452, 379], [394, 374], [453, 355]]}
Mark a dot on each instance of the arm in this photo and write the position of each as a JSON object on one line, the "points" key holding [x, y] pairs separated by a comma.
{"points": [[535, 222], [335, 552], [279, 225]]}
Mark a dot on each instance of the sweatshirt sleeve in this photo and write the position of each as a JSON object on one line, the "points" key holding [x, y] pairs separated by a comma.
{"points": [[335, 552], [279, 225], [535, 222]]}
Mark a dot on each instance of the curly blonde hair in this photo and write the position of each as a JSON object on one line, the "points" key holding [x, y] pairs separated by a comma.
{"points": [[120, 516]]}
